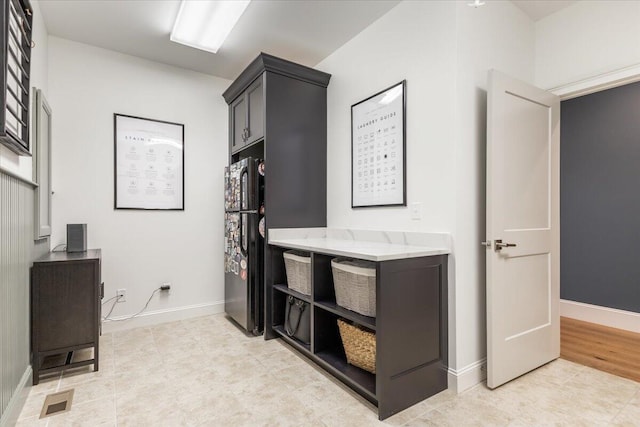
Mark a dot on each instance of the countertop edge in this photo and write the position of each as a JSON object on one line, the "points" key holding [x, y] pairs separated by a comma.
{"points": [[428, 251]]}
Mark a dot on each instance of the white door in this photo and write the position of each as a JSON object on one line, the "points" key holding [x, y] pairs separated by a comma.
{"points": [[523, 234]]}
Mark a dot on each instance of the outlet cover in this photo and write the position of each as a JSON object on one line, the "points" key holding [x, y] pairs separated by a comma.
{"points": [[416, 210]]}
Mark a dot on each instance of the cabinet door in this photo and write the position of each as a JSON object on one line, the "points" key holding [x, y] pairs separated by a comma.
{"points": [[255, 108], [66, 304], [238, 123]]}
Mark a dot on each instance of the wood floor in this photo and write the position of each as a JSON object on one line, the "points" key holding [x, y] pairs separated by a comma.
{"points": [[611, 350]]}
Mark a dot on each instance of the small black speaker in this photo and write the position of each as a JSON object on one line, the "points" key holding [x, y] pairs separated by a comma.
{"points": [[76, 237]]}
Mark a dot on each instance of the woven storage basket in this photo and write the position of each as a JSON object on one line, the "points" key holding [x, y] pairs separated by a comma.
{"points": [[355, 285], [298, 267], [359, 346]]}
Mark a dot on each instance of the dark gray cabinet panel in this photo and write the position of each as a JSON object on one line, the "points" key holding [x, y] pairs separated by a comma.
{"points": [[65, 308], [295, 153], [246, 117], [255, 112], [237, 123]]}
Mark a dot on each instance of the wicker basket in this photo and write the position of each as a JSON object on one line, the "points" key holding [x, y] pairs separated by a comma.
{"points": [[359, 346], [355, 285], [298, 267]]}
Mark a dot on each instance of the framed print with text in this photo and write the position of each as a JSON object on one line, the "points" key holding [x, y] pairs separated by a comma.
{"points": [[378, 158], [149, 164]]}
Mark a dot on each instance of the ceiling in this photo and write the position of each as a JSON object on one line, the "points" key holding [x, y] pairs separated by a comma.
{"points": [[302, 31], [538, 9]]}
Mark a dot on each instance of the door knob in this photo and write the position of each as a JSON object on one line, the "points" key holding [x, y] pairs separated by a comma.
{"points": [[500, 245]]}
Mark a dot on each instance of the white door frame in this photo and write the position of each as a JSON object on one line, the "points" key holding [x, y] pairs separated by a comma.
{"points": [[597, 83]]}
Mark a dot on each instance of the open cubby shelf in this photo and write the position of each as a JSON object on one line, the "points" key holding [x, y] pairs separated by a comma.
{"points": [[336, 363], [410, 327], [285, 289], [294, 342], [366, 321]]}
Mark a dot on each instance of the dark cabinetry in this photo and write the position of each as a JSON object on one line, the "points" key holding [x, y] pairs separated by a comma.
{"points": [[410, 327], [65, 310], [284, 107], [246, 117], [16, 17]]}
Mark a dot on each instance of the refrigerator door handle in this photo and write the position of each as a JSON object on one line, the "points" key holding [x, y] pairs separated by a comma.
{"points": [[243, 187], [243, 235]]}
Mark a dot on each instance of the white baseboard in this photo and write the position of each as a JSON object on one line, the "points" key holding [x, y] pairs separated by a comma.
{"points": [[465, 378], [606, 316], [10, 415], [149, 318]]}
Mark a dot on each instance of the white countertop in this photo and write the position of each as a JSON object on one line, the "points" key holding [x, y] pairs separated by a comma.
{"points": [[371, 245]]}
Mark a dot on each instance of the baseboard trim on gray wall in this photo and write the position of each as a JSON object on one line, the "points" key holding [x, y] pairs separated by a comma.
{"points": [[11, 414], [468, 376], [155, 317], [612, 317]]}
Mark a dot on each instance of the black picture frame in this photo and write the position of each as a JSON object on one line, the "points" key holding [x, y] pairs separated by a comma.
{"points": [[381, 184], [135, 132]]}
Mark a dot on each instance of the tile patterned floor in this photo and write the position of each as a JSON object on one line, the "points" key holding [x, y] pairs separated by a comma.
{"points": [[203, 372]]}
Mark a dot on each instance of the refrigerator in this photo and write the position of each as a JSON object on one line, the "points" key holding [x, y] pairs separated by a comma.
{"points": [[244, 245]]}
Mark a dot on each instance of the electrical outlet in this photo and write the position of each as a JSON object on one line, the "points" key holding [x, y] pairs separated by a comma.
{"points": [[122, 295]]}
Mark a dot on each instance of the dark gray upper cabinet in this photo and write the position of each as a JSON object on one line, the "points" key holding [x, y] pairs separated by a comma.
{"points": [[16, 17], [237, 123], [255, 111], [281, 107], [246, 117]]}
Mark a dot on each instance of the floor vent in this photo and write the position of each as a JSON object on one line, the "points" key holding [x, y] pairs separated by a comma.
{"points": [[57, 403]]}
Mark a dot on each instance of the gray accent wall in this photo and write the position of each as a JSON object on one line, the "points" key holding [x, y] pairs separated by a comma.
{"points": [[17, 250], [600, 198]]}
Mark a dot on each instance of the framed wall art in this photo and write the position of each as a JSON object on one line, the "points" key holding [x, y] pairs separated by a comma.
{"points": [[378, 157], [149, 164]]}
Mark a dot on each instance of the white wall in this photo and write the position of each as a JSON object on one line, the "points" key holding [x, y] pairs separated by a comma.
{"points": [[587, 39], [414, 41], [444, 50], [140, 249], [39, 65]]}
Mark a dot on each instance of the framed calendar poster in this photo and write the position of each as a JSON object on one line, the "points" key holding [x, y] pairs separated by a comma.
{"points": [[378, 158], [149, 164]]}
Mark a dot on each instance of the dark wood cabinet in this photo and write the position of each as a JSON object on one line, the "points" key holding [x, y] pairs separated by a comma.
{"points": [[284, 106], [66, 290], [410, 328], [246, 117]]}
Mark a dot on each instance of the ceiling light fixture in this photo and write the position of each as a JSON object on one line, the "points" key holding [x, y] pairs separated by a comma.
{"points": [[206, 24], [476, 3]]}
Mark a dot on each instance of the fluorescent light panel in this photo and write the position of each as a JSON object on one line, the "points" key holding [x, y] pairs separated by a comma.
{"points": [[206, 24]]}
